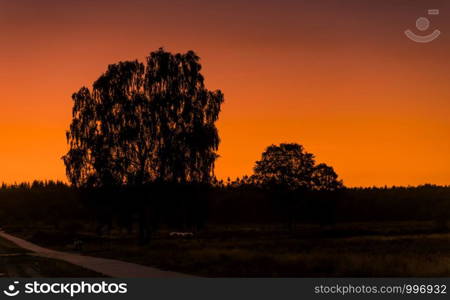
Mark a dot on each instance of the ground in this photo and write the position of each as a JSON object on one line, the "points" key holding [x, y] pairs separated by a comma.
{"points": [[16, 262], [401, 249]]}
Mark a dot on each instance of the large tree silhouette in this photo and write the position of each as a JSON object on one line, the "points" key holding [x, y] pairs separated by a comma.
{"points": [[290, 167], [142, 123]]}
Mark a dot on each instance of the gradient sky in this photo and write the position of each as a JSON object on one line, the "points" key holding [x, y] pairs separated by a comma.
{"points": [[337, 76]]}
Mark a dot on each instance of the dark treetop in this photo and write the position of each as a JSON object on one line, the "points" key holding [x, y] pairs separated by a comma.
{"points": [[290, 167], [142, 123]]}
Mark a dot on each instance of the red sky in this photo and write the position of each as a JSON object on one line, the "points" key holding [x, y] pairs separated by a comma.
{"points": [[339, 77]]}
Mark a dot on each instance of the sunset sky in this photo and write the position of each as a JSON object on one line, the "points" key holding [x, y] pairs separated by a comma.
{"points": [[337, 76]]}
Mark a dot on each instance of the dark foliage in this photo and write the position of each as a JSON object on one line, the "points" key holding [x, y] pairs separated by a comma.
{"points": [[289, 167], [191, 207], [143, 123]]}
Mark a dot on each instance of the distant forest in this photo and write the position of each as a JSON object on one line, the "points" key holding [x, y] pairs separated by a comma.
{"points": [[192, 207]]}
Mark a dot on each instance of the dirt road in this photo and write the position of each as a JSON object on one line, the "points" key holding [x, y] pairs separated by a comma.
{"points": [[107, 267], [17, 262]]}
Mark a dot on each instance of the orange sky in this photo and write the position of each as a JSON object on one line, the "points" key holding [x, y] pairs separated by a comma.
{"points": [[337, 76]]}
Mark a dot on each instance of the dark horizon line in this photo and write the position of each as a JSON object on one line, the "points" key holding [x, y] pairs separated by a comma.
{"points": [[2, 184]]}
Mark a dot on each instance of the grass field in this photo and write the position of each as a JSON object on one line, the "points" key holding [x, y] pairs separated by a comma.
{"points": [[347, 250]]}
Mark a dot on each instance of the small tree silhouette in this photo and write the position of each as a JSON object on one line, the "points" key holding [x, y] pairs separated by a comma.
{"points": [[324, 178], [286, 166], [144, 123], [289, 171], [290, 167]]}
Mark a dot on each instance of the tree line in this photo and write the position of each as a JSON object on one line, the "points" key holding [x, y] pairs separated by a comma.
{"points": [[186, 207]]}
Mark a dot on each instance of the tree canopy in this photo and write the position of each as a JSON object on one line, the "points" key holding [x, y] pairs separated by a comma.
{"points": [[289, 166], [142, 123]]}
